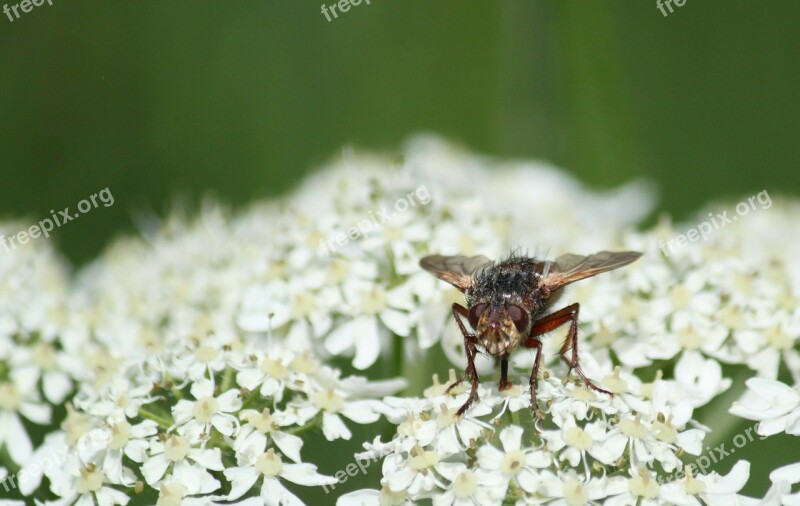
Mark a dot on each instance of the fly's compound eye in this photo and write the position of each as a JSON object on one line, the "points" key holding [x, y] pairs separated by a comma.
{"points": [[475, 313], [519, 316]]}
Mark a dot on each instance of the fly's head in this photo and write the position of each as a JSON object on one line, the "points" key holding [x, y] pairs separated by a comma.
{"points": [[500, 327]]}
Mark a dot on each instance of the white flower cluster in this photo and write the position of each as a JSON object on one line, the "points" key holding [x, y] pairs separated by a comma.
{"points": [[209, 422], [35, 375], [590, 448], [281, 267], [708, 299], [190, 358], [272, 270]]}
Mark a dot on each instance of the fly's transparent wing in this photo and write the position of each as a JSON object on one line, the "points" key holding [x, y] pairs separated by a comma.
{"points": [[569, 268], [459, 271]]}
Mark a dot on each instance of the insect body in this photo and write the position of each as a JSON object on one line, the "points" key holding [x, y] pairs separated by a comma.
{"points": [[507, 302]]}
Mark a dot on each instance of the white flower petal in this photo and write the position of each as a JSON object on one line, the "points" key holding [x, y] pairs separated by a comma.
{"points": [[209, 458], [511, 437], [202, 388], [56, 386], [334, 428], [230, 401], [154, 468], [305, 474], [363, 497], [37, 413], [16, 437], [242, 480], [289, 444]]}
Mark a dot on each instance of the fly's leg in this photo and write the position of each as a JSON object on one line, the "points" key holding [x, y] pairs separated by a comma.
{"points": [[552, 321], [470, 347]]}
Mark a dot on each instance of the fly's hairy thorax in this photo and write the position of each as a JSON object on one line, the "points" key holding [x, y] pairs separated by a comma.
{"points": [[513, 281]]}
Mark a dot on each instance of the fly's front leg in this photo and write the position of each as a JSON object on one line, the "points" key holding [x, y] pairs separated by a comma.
{"points": [[470, 347], [504, 383], [532, 342]]}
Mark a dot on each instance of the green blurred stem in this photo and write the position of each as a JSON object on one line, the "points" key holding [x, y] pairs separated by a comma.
{"points": [[227, 380], [160, 419], [171, 382], [304, 428], [249, 401], [6, 461], [398, 351]]}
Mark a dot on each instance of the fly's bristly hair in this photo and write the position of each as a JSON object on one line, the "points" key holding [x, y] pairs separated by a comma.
{"points": [[509, 281]]}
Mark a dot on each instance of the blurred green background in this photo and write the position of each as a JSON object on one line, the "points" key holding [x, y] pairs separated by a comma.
{"points": [[239, 100]]}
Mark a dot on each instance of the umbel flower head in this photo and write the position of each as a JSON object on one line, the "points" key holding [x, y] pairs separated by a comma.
{"points": [[623, 450], [193, 364]]}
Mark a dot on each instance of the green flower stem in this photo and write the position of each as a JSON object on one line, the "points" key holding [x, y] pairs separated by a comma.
{"points": [[227, 380], [167, 380], [315, 422], [163, 422], [248, 402], [5, 460]]}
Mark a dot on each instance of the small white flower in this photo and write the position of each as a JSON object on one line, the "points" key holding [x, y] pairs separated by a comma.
{"points": [[123, 439], [194, 418], [268, 425], [202, 361], [377, 310], [120, 394], [467, 487], [19, 398], [304, 303], [183, 461], [783, 479], [413, 472], [700, 379], [268, 374], [46, 363], [569, 490], [574, 442], [455, 433], [711, 489], [641, 489], [333, 406], [774, 404], [83, 485], [513, 462], [255, 464]]}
